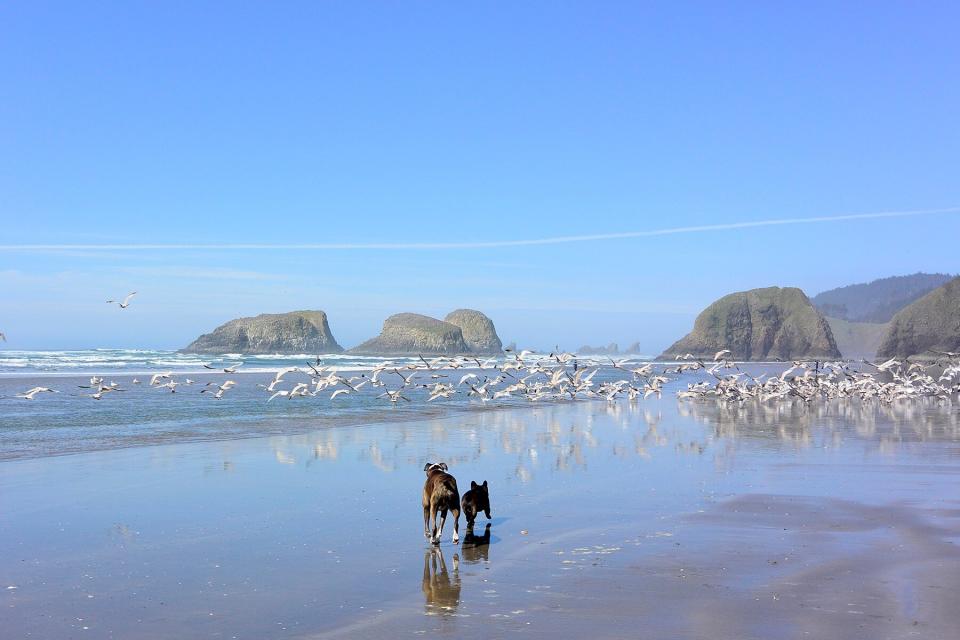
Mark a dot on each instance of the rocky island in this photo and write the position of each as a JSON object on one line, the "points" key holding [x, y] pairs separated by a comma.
{"points": [[772, 323], [294, 332], [926, 327], [478, 331], [464, 331]]}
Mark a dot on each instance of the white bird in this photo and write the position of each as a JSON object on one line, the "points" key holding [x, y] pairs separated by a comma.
{"points": [[31, 394], [338, 392], [720, 354], [394, 396], [279, 394], [126, 301], [3, 336], [221, 388]]}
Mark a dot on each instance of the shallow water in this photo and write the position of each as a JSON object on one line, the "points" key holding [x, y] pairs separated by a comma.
{"points": [[652, 519]]}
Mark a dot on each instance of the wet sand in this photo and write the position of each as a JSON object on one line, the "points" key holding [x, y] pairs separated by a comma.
{"points": [[650, 520]]}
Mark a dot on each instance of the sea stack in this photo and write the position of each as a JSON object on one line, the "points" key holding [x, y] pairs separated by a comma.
{"points": [[772, 323], [926, 327], [465, 331], [294, 332], [478, 331]]}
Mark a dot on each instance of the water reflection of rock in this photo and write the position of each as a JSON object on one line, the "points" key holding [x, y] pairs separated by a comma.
{"points": [[440, 589], [476, 548]]}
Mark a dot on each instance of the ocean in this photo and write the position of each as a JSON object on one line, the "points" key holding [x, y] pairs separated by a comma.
{"points": [[70, 421]]}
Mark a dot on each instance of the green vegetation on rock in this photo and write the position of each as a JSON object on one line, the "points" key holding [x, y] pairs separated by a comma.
{"points": [[761, 324], [929, 325], [877, 301]]}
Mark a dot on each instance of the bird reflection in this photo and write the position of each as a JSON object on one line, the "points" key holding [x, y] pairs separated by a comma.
{"points": [[476, 548], [442, 592]]}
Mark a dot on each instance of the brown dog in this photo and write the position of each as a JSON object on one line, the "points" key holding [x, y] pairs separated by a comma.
{"points": [[440, 494], [475, 501]]}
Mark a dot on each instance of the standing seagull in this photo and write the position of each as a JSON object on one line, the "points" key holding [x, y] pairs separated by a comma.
{"points": [[126, 301]]}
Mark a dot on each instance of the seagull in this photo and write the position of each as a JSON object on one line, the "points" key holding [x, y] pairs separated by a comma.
{"points": [[338, 392], [126, 301], [221, 388], [158, 376], [394, 396], [29, 395], [720, 354], [3, 336]]}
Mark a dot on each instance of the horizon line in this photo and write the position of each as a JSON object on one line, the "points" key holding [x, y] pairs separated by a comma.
{"points": [[412, 246]]}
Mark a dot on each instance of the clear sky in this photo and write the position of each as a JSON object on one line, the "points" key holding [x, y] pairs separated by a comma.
{"points": [[408, 122]]}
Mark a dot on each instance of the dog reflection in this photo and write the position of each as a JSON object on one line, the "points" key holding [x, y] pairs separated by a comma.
{"points": [[440, 590], [476, 548]]}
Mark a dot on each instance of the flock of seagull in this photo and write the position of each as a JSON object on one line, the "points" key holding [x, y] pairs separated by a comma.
{"points": [[559, 376], [562, 376]]}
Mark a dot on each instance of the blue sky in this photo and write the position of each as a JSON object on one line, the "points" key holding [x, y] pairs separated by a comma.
{"points": [[131, 123]]}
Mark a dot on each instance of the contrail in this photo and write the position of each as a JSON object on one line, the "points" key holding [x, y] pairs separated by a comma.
{"points": [[401, 246]]}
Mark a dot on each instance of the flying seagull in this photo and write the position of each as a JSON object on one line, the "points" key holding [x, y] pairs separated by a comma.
{"points": [[29, 395], [126, 301]]}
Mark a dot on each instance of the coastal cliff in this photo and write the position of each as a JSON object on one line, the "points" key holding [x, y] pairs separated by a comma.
{"points": [[929, 325], [772, 323], [294, 332]]}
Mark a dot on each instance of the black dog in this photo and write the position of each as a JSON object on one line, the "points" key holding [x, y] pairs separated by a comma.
{"points": [[475, 501], [440, 494]]}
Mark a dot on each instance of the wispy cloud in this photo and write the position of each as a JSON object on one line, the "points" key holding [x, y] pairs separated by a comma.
{"points": [[413, 246], [203, 273]]}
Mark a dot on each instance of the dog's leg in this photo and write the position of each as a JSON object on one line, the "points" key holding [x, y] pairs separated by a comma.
{"points": [[443, 521], [426, 521], [435, 536], [456, 526]]}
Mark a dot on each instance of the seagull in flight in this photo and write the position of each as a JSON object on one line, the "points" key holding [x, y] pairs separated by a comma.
{"points": [[29, 395], [126, 301], [232, 368]]}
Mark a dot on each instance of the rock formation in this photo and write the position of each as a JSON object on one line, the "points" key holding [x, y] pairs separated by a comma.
{"points": [[611, 349], [294, 332], [930, 324], [413, 334], [760, 324], [478, 331]]}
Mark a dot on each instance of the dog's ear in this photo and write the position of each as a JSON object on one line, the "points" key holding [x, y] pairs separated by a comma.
{"points": [[484, 484], [427, 466], [443, 465], [473, 485]]}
